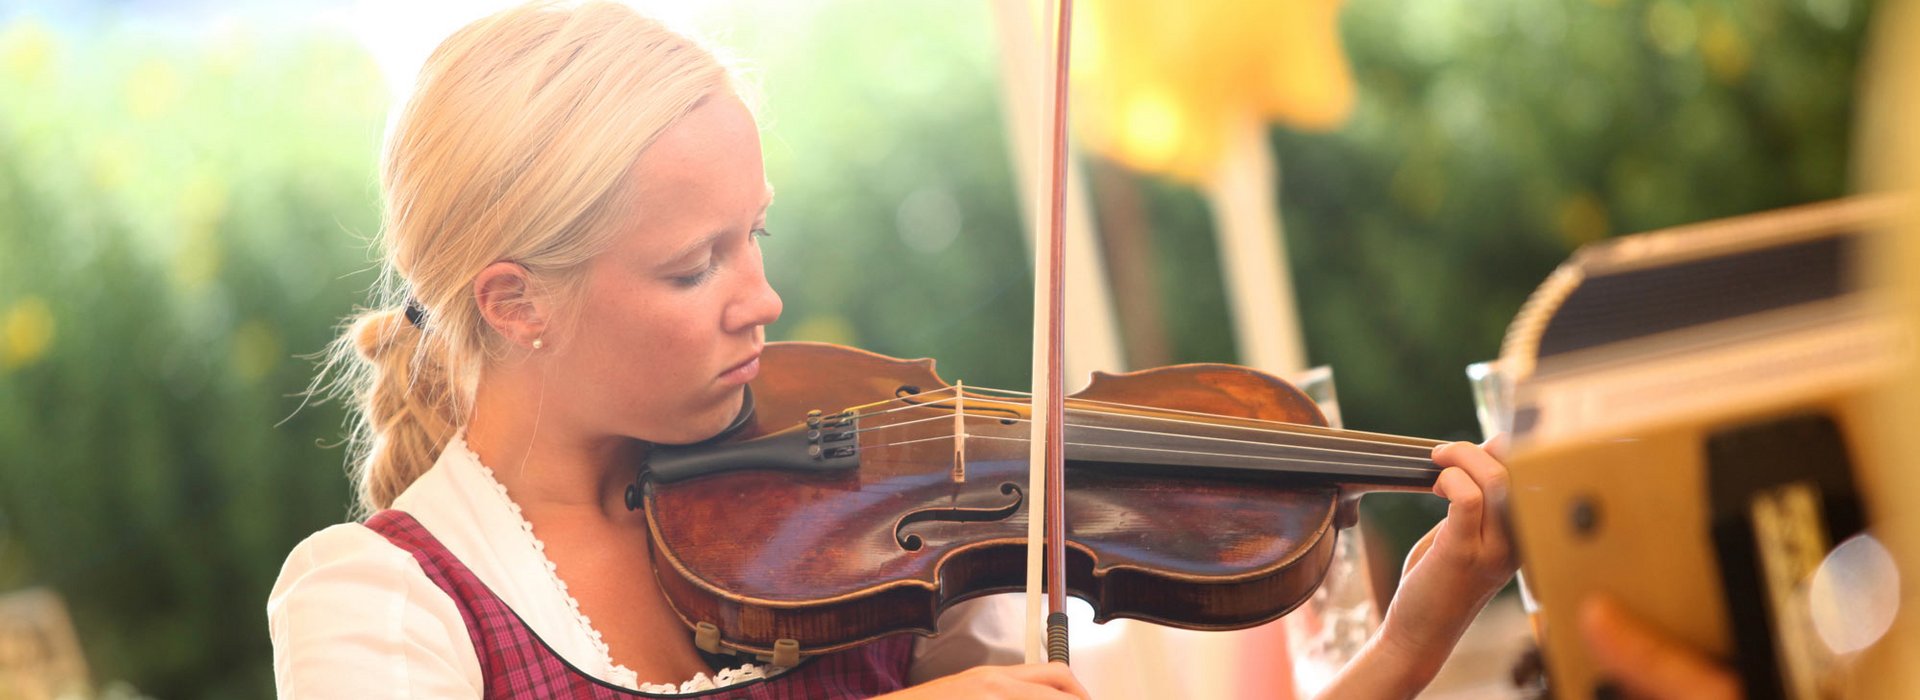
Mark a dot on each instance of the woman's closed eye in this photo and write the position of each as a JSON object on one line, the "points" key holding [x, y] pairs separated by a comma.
{"points": [[697, 278], [706, 272]]}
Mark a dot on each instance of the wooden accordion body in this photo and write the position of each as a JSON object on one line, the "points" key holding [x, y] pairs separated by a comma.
{"points": [[1694, 434]]}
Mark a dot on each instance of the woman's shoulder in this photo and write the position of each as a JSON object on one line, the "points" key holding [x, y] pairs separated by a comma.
{"points": [[351, 610], [347, 551], [351, 540], [344, 563]]}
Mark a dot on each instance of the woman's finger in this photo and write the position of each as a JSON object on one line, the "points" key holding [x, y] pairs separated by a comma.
{"points": [[1486, 471], [1464, 509], [1052, 675], [1489, 475]]}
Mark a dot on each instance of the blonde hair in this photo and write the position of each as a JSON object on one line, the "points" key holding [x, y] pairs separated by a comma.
{"points": [[516, 145]]}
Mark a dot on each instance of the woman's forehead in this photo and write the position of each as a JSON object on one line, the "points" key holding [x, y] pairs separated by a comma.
{"points": [[717, 139], [703, 171]]}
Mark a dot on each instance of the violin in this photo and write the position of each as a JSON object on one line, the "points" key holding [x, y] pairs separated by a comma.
{"points": [[858, 495]]}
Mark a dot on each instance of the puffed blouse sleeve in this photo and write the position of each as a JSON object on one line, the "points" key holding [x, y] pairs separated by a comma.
{"points": [[984, 631], [353, 616]]}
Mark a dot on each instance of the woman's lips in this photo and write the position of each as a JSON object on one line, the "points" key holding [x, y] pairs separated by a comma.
{"points": [[743, 372]]}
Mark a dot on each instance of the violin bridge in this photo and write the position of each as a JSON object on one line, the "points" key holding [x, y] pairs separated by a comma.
{"points": [[959, 432]]}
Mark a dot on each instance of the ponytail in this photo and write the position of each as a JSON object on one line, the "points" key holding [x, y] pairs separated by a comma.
{"points": [[405, 406]]}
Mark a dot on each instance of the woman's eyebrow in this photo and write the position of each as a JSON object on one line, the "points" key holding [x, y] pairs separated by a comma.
{"points": [[681, 256], [685, 254]]}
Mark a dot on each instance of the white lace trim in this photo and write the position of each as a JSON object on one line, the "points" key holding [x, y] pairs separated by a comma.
{"points": [[701, 681], [621, 675]]}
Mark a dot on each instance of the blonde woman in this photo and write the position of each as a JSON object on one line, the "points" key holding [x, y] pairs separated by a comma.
{"points": [[574, 198]]}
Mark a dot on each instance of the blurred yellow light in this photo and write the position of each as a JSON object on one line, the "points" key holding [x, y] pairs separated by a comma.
{"points": [[825, 328], [26, 51], [1582, 219], [1672, 27], [197, 262], [1164, 83], [256, 350], [110, 161], [203, 204], [152, 89], [1725, 51], [1151, 135], [28, 332], [1302, 68]]}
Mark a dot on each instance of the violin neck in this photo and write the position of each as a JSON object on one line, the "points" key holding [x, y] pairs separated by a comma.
{"points": [[1254, 449]]}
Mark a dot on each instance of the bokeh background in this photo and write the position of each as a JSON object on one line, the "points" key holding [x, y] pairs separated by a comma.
{"points": [[187, 194]]}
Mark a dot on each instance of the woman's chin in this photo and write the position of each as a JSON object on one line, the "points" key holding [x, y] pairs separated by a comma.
{"points": [[709, 421], [697, 422]]}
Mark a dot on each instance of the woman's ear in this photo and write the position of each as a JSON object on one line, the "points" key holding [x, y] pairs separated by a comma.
{"points": [[504, 292]]}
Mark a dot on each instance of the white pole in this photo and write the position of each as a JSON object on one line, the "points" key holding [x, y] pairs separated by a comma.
{"points": [[1244, 195]]}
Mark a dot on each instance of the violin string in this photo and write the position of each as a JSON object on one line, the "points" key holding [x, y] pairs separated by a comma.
{"points": [[1263, 431], [1150, 433], [1158, 433], [1349, 436], [1150, 419], [1322, 462], [1284, 427], [1391, 458], [1424, 468]]}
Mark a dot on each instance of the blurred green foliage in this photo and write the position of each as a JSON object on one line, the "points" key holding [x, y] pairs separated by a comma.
{"points": [[179, 221], [895, 216], [1493, 137], [175, 224]]}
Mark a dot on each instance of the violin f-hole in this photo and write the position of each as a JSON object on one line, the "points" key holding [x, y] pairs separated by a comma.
{"points": [[914, 542]]}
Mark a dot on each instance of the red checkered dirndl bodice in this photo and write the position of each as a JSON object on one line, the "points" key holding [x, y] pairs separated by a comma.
{"points": [[516, 663]]}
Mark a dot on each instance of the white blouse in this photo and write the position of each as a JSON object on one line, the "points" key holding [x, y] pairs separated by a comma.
{"points": [[353, 615]]}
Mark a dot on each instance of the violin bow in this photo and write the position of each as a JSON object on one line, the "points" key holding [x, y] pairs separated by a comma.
{"points": [[1046, 529]]}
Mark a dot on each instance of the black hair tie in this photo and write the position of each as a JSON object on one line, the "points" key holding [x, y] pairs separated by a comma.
{"points": [[416, 314]]}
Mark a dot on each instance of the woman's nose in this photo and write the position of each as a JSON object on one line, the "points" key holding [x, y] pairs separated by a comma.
{"points": [[758, 304]]}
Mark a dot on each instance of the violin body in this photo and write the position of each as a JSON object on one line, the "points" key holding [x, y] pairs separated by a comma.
{"points": [[833, 557]]}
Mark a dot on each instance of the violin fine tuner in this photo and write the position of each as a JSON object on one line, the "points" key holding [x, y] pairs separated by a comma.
{"points": [[706, 638]]}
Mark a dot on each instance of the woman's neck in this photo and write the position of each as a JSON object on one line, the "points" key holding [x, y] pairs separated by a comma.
{"points": [[542, 460]]}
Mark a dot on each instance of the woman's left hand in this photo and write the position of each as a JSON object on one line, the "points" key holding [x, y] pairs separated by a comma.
{"points": [[1461, 563], [1450, 574]]}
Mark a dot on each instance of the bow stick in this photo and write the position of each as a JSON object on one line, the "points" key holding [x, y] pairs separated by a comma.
{"points": [[1046, 529]]}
